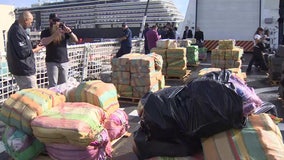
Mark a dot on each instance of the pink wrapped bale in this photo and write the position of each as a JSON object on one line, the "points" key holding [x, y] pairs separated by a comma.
{"points": [[100, 149], [117, 124]]}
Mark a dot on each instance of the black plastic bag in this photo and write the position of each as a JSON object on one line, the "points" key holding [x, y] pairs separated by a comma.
{"points": [[201, 108], [176, 147]]}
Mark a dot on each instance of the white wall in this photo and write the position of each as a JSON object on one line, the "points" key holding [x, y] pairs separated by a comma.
{"points": [[6, 20], [189, 19], [270, 9]]}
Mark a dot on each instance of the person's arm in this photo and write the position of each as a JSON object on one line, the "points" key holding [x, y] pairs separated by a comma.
{"points": [[72, 35], [258, 39], [45, 40], [190, 34], [125, 36], [21, 45], [38, 48]]}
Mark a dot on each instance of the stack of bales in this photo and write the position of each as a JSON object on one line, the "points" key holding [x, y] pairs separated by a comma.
{"points": [[40, 119], [163, 53], [192, 51], [227, 55], [275, 63], [202, 53], [174, 57], [192, 55], [17, 112], [177, 62], [161, 49], [136, 74]]}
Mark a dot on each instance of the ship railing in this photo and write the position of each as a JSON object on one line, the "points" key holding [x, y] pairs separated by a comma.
{"points": [[87, 61]]}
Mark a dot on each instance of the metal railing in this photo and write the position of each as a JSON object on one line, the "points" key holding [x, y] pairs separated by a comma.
{"points": [[86, 61]]}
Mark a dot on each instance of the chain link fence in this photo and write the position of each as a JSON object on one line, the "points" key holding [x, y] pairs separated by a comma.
{"points": [[86, 61]]}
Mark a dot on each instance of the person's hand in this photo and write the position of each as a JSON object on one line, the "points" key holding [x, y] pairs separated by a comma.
{"points": [[38, 48], [66, 29]]}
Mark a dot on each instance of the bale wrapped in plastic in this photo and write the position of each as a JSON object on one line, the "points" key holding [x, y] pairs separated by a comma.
{"points": [[116, 124], [142, 63], [96, 92], [21, 146], [261, 139], [122, 78], [158, 59], [76, 123], [100, 149], [25, 105]]}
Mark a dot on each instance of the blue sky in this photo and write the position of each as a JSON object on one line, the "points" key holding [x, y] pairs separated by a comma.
{"points": [[181, 4]]}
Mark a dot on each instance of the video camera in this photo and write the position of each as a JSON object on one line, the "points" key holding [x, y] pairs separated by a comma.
{"points": [[61, 25]]}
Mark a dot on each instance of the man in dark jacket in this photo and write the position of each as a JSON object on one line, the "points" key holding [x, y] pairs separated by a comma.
{"points": [[199, 36], [146, 29], [187, 33], [20, 54], [125, 41]]}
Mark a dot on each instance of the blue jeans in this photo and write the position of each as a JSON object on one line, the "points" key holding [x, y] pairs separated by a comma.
{"points": [[57, 73]]}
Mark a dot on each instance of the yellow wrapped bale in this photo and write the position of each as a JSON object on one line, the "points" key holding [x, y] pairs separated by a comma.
{"points": [[160, 51], [163, 43], [184, 42], [177, 72], [122, 63], [98, 93], [226, 44], [176, 52], [23, 106], [237, 53], [174, 62], [142, 63]]}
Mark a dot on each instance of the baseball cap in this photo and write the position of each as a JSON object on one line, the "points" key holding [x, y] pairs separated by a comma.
{"points": [[54, 16], [123, 24]]}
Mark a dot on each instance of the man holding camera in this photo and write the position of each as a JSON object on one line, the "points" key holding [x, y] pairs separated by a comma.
{"points": [[55, 39]]}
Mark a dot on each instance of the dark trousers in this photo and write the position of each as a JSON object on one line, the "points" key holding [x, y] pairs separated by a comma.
{"points": [[122, 51], [257, 58], [146, 48]]}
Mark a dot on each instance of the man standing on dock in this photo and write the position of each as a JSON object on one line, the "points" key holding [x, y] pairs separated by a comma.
{"points": [[125, 41]]}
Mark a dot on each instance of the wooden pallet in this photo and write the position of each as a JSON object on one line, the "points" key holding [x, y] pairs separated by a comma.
{"points": [[178, 78], [125, 135], [128, 99]]}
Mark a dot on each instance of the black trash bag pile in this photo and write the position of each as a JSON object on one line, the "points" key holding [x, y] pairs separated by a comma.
{"points": [[174, 119]]}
